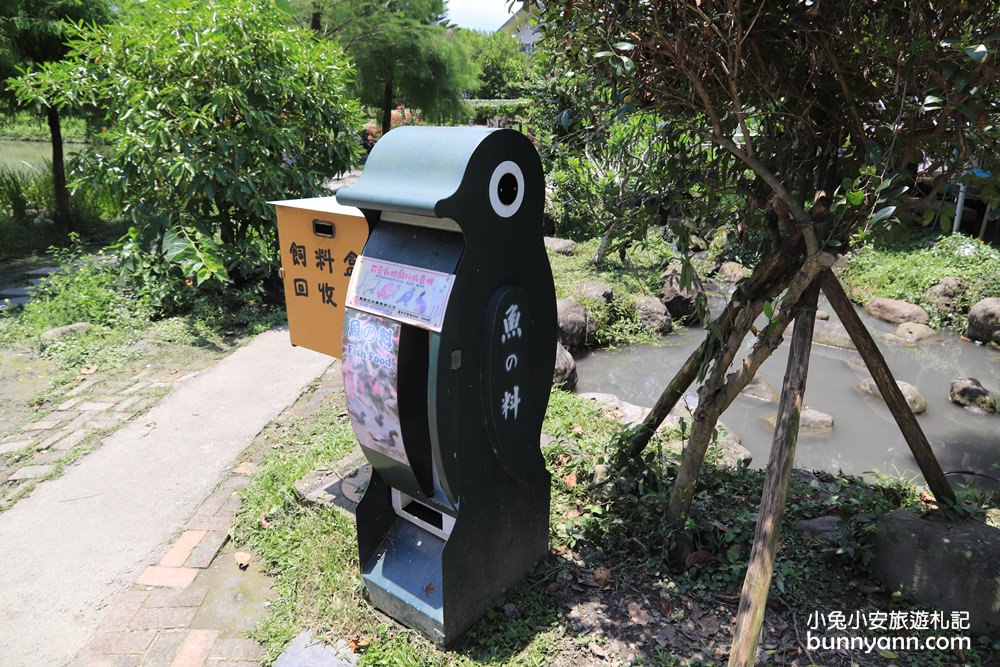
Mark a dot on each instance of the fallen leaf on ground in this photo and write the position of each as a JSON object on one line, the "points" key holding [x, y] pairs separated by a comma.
{"points": [[577, 429], [243, 559], [665, 636], [638, 614], [666, 608], [602, 576], [572, 514], [89, 370], [264, 522], [570, 480], [359, 643], [708, 626], [698, 558]]}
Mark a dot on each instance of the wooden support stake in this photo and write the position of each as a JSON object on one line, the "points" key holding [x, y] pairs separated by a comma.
{"points": [[894, 400], [753, 598]]}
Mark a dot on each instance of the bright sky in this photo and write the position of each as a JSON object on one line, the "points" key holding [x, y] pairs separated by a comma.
{"points": [[485, 15]]}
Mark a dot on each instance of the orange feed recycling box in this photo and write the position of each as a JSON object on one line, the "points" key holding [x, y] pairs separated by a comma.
{"points": [[320, 241]]}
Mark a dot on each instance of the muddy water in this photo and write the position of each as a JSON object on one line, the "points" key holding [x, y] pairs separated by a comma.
{"points": [[864, 437]]}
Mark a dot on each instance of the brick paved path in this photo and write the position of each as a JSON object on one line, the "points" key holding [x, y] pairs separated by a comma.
{"points": [[78, 542]]}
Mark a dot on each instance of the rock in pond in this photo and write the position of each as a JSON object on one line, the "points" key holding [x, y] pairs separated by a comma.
{"points": [[733, 272], [653, 315], [812, 423], [680, 302], [576, 327], [914, 399], [970, 393], [896, 311], [761, 389], [829, 333], [911, 333], [984, 321], [565, 370]]}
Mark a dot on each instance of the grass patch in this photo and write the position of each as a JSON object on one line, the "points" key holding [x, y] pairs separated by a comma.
{"points": [[906, 270], [608, 591]]}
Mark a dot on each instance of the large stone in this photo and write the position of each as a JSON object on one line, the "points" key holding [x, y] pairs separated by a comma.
{"points": [[984, 321], [653, 315], [761, 389], [968, 392], [831, 334], [680, 302], [59, 332], [733, 272], [822, 528], [598, 292], [914, 399], [623, 412], [733, 453], [565, 370], [576, 327], [946, 295], [911, 333], [560, 246], [946, 565], [812, 423], [895, 311]]}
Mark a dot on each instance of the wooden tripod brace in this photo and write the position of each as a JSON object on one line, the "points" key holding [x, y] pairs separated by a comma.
{"points": [[753, 597]]}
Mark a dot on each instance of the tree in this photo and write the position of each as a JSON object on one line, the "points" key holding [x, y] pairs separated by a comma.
{"points": [[35, 32], [213, 109], [505, 68], [403, 54], [811, 116]]}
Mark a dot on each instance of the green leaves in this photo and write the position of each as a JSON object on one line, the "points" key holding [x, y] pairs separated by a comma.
{"points": [[212, 110]]}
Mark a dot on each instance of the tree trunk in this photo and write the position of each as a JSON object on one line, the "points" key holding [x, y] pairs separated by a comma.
{"points": [[64, 222], [753, 599], [387, 106], [908, 425], [719, 390], [770, 277]]}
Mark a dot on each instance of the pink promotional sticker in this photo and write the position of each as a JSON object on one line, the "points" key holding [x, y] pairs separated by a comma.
{"points": [[406, 293]]}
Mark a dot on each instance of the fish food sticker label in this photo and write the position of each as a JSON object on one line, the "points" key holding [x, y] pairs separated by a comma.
{"points": [[405, 293], [371, 370]]}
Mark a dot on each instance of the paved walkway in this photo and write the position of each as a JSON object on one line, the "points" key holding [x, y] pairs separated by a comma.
{"points": [[73, 548]]}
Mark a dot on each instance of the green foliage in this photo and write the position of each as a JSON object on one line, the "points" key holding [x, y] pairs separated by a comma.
{"points": [[229, 110], [27, 209], [905, 271], [484, 111], [782, 108], [505, 71], [402, 53], [85, 288]]}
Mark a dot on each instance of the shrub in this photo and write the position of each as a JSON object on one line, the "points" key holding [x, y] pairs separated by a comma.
{"points": [[213, 109]]}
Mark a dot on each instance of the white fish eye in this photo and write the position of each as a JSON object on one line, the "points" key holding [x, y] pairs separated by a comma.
{"points": [[507, 189]]}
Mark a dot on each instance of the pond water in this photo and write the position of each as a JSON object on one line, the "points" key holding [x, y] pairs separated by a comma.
{"points": [[865, 437], [30, 154]]}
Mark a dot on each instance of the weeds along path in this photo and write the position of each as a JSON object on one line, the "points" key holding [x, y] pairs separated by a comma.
{"points": [[77, 541]]}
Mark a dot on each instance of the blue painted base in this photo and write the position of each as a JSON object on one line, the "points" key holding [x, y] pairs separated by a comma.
{"points": [[404, 578]]}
